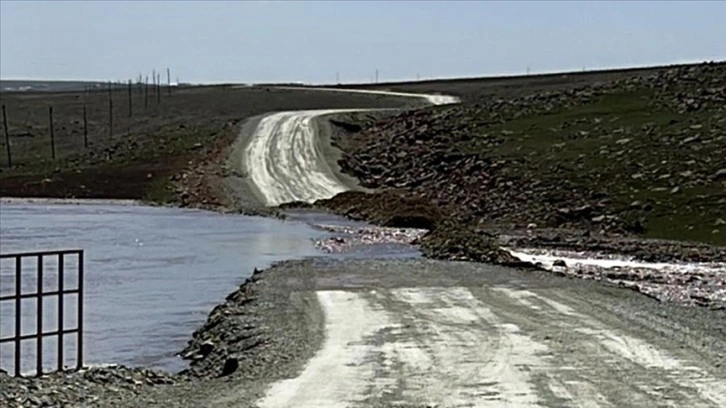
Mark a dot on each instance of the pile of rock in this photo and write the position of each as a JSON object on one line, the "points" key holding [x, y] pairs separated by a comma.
{"points": [[227, 337], [349, 239], [80, 388]]}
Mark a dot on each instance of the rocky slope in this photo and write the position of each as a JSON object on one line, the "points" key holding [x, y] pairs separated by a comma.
{"points": [[95, 386], [637, 157]]}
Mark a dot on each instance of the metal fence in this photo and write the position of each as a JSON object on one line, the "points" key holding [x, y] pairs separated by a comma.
{"points": [[40, 293]]}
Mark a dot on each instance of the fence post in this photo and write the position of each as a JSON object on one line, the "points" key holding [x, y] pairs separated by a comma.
{"points": [[110, 117], [18, 312], [110, 111], [146, 92], [85, 128], [52, 132], [130, 111], [79, 308], [7, 137], [39, 321], [61, 310]]}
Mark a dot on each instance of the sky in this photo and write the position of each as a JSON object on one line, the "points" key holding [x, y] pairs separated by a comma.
{"points": [[318, 42]]}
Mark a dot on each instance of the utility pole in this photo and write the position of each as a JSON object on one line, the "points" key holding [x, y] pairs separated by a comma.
{"points": [[337, 78], [168, 81], [52, 132], [85, 128], [146, 92], [376, 75], [130, 99], [7, 137]]}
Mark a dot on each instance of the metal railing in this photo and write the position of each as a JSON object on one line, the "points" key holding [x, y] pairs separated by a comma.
{"points": [[60, 291]]}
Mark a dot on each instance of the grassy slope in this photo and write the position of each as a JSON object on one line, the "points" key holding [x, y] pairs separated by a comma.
{"points": [[600, 142]]}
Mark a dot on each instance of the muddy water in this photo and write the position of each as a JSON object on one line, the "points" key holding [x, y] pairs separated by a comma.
{"points": [[152, 274]]}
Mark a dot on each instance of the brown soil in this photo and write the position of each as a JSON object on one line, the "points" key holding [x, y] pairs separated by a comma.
{"points": [[170, 152]]}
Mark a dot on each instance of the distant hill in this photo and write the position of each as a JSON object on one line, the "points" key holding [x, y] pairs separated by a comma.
{"points": [[20, 85], [12, 85]]}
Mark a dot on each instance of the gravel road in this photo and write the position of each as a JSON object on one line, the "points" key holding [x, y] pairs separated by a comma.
{"points": [[470, 335], [415, 333], [284, 158], [432, 333]]}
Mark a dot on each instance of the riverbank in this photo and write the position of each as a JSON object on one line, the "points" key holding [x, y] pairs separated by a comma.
{"points": [[281, 324], [241, 341]]}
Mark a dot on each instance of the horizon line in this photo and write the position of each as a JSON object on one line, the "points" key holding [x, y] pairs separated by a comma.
{"points": [[513, 74]]}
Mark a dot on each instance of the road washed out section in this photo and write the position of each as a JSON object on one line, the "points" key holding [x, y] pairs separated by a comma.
{"points": [[485, 347], [284, 160]]}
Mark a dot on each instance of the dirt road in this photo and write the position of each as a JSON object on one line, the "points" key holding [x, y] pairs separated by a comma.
{"points": [[421, 333], [426, 333], [284, 157]]}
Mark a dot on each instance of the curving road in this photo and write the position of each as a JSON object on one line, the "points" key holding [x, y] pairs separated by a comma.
{"points": [[423, 333], [284, 159]]}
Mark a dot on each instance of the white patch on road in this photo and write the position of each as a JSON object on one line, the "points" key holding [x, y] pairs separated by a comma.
{"points": [[465, 356], [635, 350], [430, 98], [647, 355], [284, 162], [581, 394], [478, 359], [523, 295], [455, 353], [445, 347], [283, 158], [338, 374], [574, 259]]}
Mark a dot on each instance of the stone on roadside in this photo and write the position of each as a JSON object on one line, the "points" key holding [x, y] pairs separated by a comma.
{"points": [[559, 263], [231, 365]]}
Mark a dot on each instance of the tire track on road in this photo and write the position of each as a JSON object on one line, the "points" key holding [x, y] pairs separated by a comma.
{"points": [[485, 347], [645, 372], [284, 160]]}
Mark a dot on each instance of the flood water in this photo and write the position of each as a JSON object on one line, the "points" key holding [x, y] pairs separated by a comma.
{"points": [[152, 274]]}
